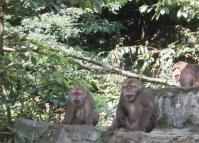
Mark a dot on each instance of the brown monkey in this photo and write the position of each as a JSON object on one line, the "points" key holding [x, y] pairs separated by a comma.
{"points": [[80, 108], [187, 74], [136, 110]]}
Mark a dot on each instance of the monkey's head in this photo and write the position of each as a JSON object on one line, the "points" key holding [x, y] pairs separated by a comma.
{"points": [[77, 96], [177, 69], [131, 89]]}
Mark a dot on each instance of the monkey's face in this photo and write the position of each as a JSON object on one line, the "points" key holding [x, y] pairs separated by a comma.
{"points": [[131, 89], [176, 73], [77, 96], [177, 69]]}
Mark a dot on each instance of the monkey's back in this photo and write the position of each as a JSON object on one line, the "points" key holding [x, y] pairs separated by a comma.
{"points": [[189, 75]]}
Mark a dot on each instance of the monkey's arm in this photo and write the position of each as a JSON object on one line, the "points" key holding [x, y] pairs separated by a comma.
{"points": [[145, 121], [69, 114], [121, 115], [91, 114], [149, 117], [119, 120], [92, 118]]}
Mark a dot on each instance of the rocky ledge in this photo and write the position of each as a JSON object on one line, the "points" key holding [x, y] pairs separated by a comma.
{"points": [[42, 132], [179, 123]]}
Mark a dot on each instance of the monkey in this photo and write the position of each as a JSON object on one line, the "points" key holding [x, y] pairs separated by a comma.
{"points": [[186, 74], [136, 110], [80, 108]]}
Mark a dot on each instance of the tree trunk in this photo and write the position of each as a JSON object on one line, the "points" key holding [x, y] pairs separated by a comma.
{"points": [[1, 30], [2, 82]]}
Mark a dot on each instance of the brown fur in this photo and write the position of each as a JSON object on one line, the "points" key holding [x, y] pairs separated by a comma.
{"points": [[136, 110], [82, 113], [187, 74]]}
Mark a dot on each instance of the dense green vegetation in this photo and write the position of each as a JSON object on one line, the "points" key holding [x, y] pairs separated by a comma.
{"points": [[50, 46]]}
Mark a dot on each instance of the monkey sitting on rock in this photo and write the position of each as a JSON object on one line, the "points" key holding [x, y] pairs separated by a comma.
{"points": [[80, 109], [186, 74], [136, 110]]}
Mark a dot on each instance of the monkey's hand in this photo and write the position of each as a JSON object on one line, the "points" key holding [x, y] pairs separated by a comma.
{"points": [[92, 118]]}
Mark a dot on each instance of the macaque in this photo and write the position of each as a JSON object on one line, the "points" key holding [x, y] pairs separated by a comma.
{"points": [[80, 108], [187, 74], [136, 110]]}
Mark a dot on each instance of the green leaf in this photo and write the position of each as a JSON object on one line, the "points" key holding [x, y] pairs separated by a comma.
{"points": [[143, 8]]}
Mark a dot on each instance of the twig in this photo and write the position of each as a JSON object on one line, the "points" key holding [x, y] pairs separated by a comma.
{"points": [[21, 49]]}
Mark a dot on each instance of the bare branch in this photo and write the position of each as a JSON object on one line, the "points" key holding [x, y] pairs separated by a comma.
{"points": [[6, 49], [14, 49], [108, 69]]}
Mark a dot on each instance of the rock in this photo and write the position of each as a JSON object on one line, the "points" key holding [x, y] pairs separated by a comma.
{"points": [[61, 133], [178, 107], [30, 128], [156, 136], [63, 136]]}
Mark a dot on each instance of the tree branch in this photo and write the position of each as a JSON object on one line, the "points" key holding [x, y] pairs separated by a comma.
{"points": [[108, 69], [104, 68], [2, 80], [21, 49], [1, 29]]}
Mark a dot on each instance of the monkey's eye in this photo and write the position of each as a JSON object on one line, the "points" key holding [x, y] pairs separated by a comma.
{"points": [[132, 86], [176, 68]]}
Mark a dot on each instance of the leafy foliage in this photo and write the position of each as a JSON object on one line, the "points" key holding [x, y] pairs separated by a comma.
{"points": [[74, 26], [181, 9]]}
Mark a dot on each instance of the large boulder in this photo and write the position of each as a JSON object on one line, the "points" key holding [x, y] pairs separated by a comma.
{"points": [[179, 107]]}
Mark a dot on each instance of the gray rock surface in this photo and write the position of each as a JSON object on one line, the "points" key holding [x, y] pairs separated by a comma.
{"points": [[86, 134], [178, 107], [31, 129]]}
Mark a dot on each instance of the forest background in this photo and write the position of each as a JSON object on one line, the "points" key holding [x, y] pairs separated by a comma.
{"points": [[49, 46]]}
